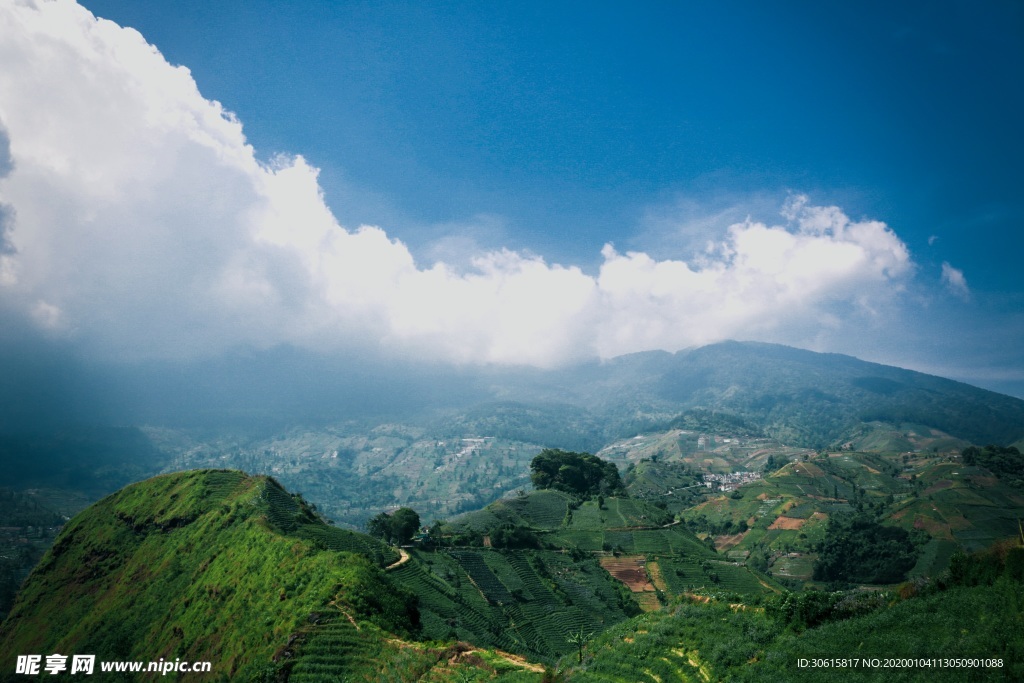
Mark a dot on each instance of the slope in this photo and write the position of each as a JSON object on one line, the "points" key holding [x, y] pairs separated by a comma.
{"points": [[203, 566]]}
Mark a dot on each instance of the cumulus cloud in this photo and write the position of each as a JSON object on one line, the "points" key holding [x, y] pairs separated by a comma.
{"points": [[138, 221], [955, 281]]}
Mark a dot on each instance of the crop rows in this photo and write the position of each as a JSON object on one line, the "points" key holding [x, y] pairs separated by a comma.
{"points": [[280, 508], [587, 516], [650, 542], [507, 575], [523, 630], [333, 650], [738, 579], [530, 580], [493, 589], [692, 574], [543, 509], [342, 540], [584, 540], [449, 609], [220, 484], [619, 539]]}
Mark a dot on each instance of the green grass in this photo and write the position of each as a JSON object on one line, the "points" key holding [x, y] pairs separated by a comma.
{"points": [[167, 567], [696, 642]]}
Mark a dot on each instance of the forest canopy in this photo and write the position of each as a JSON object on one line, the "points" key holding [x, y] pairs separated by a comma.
{"points": [[579, 474], [398, 527], [860, 550], [1005, 463]]}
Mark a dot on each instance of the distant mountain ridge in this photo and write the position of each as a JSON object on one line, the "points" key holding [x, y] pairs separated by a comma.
{"points": [[800, 397], [364, 439]]}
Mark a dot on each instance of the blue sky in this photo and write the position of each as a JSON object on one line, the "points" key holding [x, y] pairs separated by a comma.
{"points": [[571, 120], [550, 130]]}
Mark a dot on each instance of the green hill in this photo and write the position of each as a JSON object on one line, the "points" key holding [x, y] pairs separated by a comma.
{"points": [[217, 566], [635, 540], [966, 626]]}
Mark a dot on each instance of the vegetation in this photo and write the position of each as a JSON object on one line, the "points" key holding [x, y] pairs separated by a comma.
{"points": [[580, 474], [808, 473], [772, 464], [857, 549], [28, 525], [195, 565], [1005, 463], [973, 611], [398, 527]]}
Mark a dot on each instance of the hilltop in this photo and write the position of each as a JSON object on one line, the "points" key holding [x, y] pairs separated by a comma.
{"points": [[218, 566]]}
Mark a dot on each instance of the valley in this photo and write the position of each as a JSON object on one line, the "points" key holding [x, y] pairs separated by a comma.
{"points": [[715, 545]]}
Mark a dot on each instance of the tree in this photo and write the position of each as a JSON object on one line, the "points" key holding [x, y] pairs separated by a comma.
{"points": [[404, 525], [772, 464], [379, 526], [580, 639], [858, 549], [398, 528], [575, 473]]}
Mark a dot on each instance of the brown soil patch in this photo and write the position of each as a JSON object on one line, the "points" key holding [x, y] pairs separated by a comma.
{"points": [[763, 496], [787, 523], [518, 661], [630, 570], [810, 469], [725, 542], [403, 557], [819, 515], [934, 527]]}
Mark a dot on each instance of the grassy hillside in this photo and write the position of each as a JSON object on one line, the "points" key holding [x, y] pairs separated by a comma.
{"points": [[974, 613], [218, 566], [636, 541], [776, 523], [206, 565]]}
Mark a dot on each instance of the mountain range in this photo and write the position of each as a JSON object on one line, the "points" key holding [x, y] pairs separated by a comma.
{"points": [[740, 462]]}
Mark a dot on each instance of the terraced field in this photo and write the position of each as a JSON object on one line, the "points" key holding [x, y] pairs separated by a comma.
{"points": [[527, 602], [334, 650]]}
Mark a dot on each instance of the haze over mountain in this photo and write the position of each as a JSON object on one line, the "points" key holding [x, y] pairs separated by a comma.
{"points": [[799, 396]]}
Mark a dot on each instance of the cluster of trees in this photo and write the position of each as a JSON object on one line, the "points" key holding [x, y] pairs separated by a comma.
{"points": [[727, 527], [580, 474], [772, 464], [398, 527], [1004, 462], [512, 536], [858, 549]]}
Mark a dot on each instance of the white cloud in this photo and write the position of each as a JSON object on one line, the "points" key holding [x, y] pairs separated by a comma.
{"points": [[143, 225], [955, 281]]}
